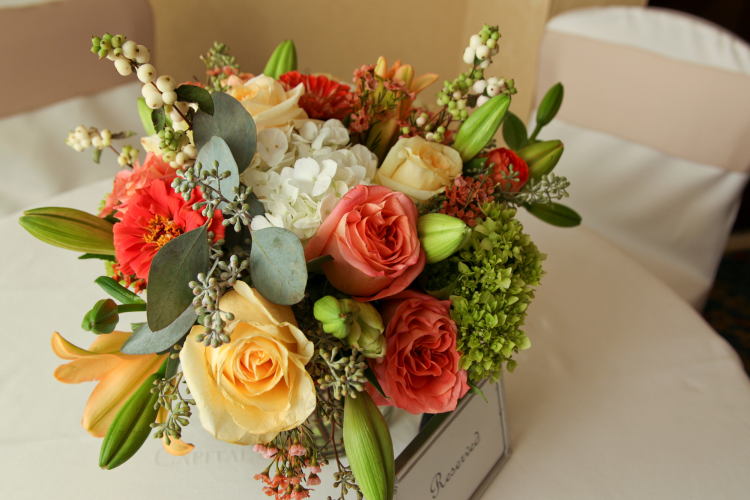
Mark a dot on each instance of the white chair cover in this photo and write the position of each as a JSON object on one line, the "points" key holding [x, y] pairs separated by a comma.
{"points": [[655, 122]]}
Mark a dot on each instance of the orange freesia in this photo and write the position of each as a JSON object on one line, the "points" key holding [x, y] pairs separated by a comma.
{"points": [[385, 132], [119, 375]]}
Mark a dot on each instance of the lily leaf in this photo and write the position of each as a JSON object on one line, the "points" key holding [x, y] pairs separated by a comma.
{"points": [[145, 341], [216, 150], [277, 265], [514, 132], [231, 122], [145, 113], [99, 256], [174, 266], [198, 95], [555, 214]]}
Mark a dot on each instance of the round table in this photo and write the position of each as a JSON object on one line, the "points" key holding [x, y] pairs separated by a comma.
{"points": [[625, 393]]}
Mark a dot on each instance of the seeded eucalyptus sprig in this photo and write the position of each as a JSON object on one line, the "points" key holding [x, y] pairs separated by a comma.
{"points": [[178, 408]]}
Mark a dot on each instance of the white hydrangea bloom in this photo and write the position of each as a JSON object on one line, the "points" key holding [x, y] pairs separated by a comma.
{"points": [[301, 174]]}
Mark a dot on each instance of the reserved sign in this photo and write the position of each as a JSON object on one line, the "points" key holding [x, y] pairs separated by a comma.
{"points": [[457, 454]]}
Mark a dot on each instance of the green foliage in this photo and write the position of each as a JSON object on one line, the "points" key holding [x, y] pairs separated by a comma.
{"points": [[481, 126], [497, 269], [514, 132], [145, 113], [175, 265], [231, 122], [70, 229], [283, 60], [145, 341], [277, 265], [159, 119], [215, 154], [102, 318], [117, 291], [198, 95], [555, 214]]}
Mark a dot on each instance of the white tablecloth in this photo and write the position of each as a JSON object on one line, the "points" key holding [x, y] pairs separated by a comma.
{"points": [[626, 393]]}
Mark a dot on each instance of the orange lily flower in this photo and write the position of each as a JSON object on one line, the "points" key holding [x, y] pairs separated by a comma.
{"points": [[119, 375], [384, 132]]}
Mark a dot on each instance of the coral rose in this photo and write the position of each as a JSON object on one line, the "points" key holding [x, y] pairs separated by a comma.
{"points": [[372, 236], [502, 159], [419, 372], [268, 103], [419, 168], [256, 386], [156, 215], [127, 182]]}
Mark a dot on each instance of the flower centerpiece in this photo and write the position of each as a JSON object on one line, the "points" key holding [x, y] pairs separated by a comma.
{"points": [[305, 249]]}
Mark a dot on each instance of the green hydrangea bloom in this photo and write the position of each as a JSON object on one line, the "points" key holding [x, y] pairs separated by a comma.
{"points": [[496, 272]]}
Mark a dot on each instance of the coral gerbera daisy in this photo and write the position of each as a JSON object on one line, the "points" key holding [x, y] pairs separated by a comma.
{"points": [[156, 215], [323, 98]]}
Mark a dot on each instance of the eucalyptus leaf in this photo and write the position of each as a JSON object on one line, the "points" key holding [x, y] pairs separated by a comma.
{"points": [[514, 132], [216, 150], [277, 265], [159, 119], [145, 341], [231, 122], [555, 214], [174, 266], [256, 207], [198, 95], [145, 113]]}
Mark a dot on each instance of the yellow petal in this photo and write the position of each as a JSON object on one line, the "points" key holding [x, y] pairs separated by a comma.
{"points": [[85, 365], [422, 82], [405, 74], [114, 389], [177, 447], [381, 67], [275, 313], [110, 343]]}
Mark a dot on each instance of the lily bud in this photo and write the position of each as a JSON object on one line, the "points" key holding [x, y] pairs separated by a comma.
{"points": [[441, 235], [70, 229], [366, 334], [481, 127], [550, 105], [283, 60], [369, 447], [541, 157], [102, 318], [132, 425], [336, 315]]}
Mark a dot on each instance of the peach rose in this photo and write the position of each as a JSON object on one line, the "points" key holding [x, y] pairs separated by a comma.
{"points": [[268, 103], [372, 236], [256, 386], [419, 168], [419, 372], [127, 182]]}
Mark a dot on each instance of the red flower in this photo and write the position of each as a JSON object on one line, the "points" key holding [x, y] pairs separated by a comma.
{"points": [[156, 215], [503, 157], [420, 371], [323, 98]]}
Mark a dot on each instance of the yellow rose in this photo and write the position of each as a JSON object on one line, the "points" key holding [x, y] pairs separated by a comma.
{"points": [[268, 103], [419, 168], [256, 386]]}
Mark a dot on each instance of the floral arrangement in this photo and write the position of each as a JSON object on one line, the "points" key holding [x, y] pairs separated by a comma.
{"points": [[305, 250]]}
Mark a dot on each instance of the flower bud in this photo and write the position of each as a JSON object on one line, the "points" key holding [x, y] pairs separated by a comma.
{"points": [[102, 318], [369, 447], [366, 333], [441, 236], [131, 425], [541, 157], [550, 105], [283, 60], [337, 316], [481, 126], [70, 229]]}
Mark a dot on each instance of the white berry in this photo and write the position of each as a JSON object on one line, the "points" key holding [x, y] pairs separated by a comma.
{"points": [[154, 101], [123, 66], [166, 83], [492, 80], [143, 55], [421, 121], [475, 42], [482, 99], [130, 49], [493, 89], [181, 158], [169, 97], [479, 86], [469, 55], [146, 73], [483, 52], [485, 64], [149, 89]]}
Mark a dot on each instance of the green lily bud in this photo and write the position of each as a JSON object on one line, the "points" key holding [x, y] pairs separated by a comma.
{"points": [[541, 157], [336, 315], [117, 291], [70, 229], [102, 318], [369, 447], [283, 60], [441, 235], [550, 105], [366, 334], [131, 425], [481, 127]]}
